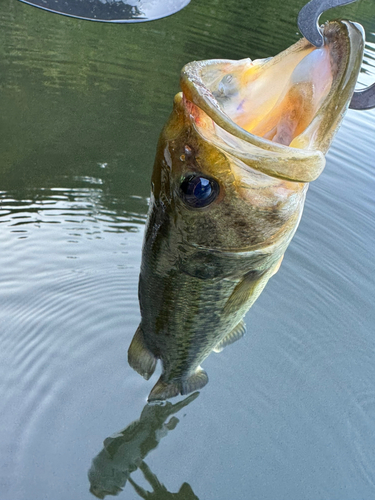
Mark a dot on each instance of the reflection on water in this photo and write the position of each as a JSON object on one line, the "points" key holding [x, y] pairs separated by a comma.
{"points": [[124, 453], [80, 210], [159, 491]]}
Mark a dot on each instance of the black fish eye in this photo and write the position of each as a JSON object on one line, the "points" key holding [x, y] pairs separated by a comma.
{"points": [[198, 191]]}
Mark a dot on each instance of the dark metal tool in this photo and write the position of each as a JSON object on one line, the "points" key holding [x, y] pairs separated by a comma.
{"points": [[308, 24], [112, 11]]}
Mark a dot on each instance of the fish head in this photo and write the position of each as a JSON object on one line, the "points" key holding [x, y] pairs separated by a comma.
{"points": [[246, 137], [210, 197]]}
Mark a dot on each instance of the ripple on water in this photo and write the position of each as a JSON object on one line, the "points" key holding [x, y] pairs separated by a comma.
{"points": [[361, 424], [62, 319]]}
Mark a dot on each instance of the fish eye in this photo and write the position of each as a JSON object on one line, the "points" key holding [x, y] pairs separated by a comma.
{"points": [[198, 191]]}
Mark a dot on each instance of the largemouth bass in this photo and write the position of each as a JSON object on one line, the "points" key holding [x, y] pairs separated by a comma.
{"points": [[231, 173]]}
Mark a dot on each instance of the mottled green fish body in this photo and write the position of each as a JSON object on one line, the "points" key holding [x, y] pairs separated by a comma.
{"points": [[228, 188]]}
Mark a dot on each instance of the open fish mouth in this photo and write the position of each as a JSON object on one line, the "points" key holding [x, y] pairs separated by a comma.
{"points": [[284, 110]]}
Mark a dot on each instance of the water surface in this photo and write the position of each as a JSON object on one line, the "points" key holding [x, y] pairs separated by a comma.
{"points": [[289, 412]]}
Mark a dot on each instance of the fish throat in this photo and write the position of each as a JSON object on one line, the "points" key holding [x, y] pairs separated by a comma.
{"points": [[279, 105]]}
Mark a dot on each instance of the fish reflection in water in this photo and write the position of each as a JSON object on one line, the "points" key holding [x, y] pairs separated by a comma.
{"points": [[159, 490], [124, 453], [228, 189]]}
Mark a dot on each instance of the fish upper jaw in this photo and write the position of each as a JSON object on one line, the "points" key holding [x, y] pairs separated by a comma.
{"points": [[279, 106]]}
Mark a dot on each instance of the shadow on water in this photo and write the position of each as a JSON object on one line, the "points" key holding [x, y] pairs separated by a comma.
{"points": [[125, 452]]}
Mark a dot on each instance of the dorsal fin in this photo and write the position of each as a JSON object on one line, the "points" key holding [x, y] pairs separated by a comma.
{"points": [[237, 333]]}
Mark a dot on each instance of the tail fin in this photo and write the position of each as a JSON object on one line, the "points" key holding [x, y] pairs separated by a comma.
{"points": [[140, 358], [165, 390]]}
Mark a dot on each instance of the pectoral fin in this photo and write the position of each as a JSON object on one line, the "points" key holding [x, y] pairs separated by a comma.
{"points": [[277, 266], [246, 291], [237, 333], [249, 288], [140, 358], [165, 390]]}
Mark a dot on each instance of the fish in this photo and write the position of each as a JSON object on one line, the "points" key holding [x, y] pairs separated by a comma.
{"points": [[232, 168]]}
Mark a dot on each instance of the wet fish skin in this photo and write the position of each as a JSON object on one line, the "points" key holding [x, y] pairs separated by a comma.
{"points": [[203, 268]]}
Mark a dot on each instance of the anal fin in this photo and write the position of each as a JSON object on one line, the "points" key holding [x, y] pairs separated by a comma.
{"points": [[237, 333], [140, 358], [165, 390]]}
